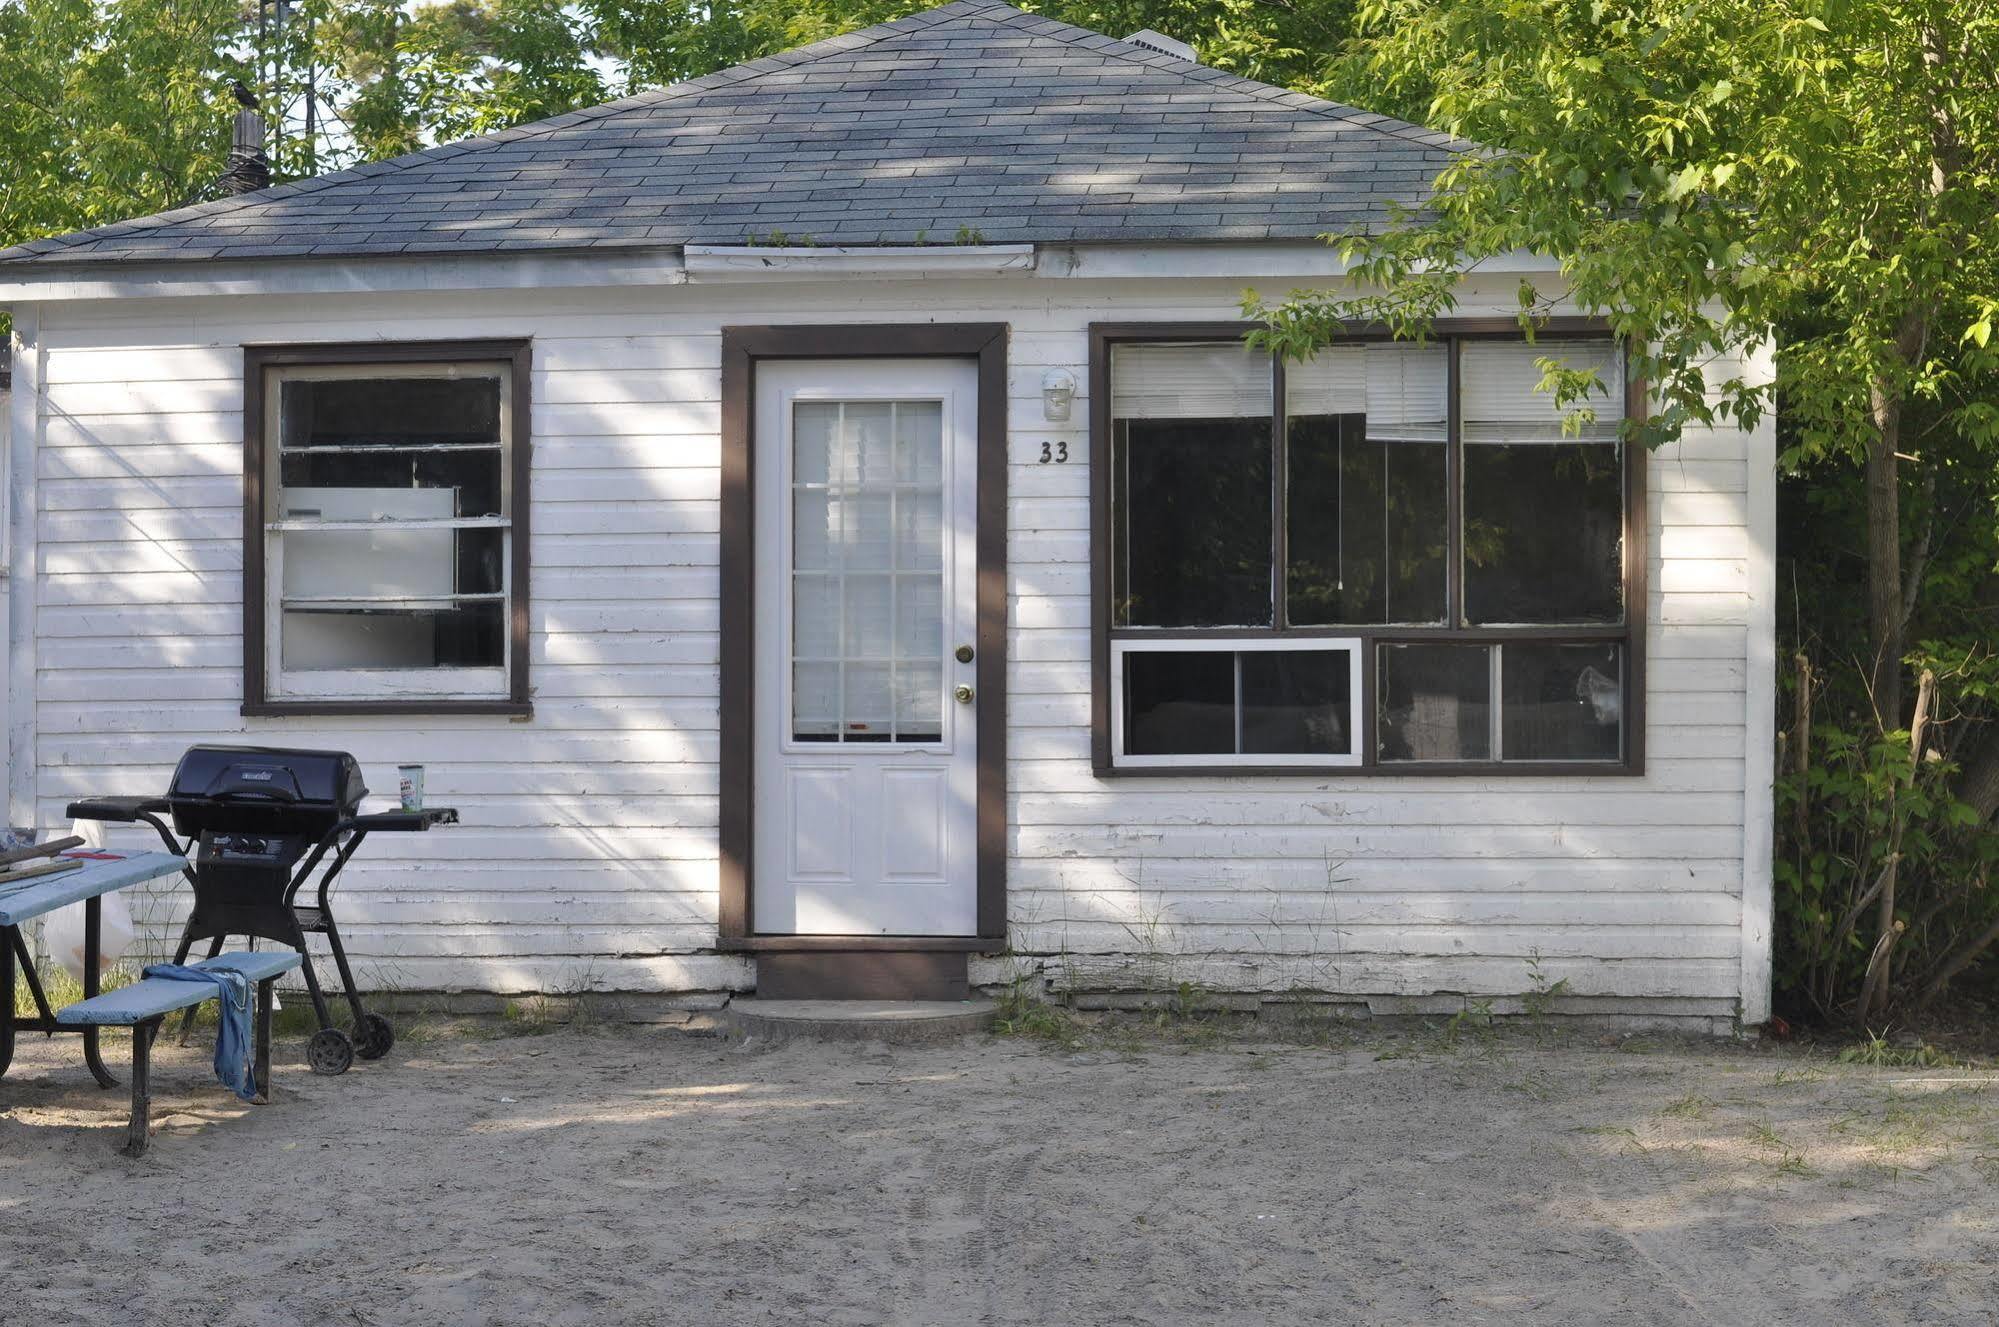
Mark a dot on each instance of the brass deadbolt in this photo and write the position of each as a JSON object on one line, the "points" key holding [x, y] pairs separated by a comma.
{"points": [[964, 653]]}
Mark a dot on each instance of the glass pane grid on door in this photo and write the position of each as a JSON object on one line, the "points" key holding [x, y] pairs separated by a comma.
{"points": [[867, 573]]}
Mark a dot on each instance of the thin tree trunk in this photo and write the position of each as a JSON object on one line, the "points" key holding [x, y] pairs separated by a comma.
{"points": [[1801, 748], [1884, 557], [1874, 987]]}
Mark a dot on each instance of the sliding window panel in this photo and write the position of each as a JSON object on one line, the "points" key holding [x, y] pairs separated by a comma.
{"points": [[1297, 702], [1434, 703], [1190, 486], [1561, 702], [1179, 703], [1367, 506], [1543, 494]]}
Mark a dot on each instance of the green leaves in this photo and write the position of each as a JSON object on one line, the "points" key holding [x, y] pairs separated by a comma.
{"points": [[109, 111]]}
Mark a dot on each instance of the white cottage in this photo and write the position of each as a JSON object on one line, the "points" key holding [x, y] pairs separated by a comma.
{"points": [[822, 526]]}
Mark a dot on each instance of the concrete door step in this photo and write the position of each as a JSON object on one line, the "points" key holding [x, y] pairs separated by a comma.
{"points": [[902, 1022]]}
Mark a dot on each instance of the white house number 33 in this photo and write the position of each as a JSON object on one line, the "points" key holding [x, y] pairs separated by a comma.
{"points": [[1054, 453]]}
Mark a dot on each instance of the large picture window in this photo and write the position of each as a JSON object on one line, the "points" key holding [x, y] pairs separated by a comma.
{"points": [[1391, 557], [387, 498]]}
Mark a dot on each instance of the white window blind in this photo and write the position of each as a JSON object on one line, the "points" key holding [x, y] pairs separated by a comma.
{"points": [[1402, 389], [1181, 381], [1500, 403]]}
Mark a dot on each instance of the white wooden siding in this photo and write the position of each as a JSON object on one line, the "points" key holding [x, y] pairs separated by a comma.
{"points": [[588, 853]]}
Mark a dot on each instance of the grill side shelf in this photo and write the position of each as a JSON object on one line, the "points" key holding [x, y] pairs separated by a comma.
{"points": [[404, 821]]}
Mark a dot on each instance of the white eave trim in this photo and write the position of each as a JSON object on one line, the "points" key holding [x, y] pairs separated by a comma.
{"points": [[736, 262], [1236, 260], [1250, 260], [360, 274]]}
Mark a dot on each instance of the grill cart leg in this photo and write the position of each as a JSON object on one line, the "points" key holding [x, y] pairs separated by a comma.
{"points": [[187, 1019], [136, 1133], [373, 1034], [324, 1014], [330, 1050], [93, 921], [346, 974]]}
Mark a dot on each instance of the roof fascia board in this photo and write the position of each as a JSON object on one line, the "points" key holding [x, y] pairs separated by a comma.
{"points": [[731, 262], [383, 274], [706, 264]]}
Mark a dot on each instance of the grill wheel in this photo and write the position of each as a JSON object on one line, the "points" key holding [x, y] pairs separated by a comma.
{"points": [[329, 1052], [374, 1037]]}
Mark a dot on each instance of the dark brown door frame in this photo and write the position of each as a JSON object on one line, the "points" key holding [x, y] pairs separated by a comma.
{"points": [[743, 348]]}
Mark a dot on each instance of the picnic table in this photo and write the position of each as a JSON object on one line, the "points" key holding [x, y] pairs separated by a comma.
{"points": [[102, 873]]}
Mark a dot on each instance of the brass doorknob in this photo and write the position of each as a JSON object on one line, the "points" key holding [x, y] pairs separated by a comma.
{"points": [[963, 693]]}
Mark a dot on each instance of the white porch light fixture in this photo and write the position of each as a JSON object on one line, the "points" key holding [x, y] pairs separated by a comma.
{"points": [[1058, 390]]}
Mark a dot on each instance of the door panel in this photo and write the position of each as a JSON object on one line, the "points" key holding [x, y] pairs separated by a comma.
{"points": [[866, 764]]}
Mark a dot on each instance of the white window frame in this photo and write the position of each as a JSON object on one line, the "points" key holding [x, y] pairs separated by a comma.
{"points": [[1360, 728], [383, 684]]}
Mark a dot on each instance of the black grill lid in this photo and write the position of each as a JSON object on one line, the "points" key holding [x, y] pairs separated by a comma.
{"points": [[221, 787]]}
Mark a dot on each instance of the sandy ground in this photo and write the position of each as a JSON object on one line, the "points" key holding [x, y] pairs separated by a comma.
{"points": [[604, 1177]]}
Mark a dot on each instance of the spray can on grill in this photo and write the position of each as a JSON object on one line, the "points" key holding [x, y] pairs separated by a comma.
{"points": [[410, 780]]}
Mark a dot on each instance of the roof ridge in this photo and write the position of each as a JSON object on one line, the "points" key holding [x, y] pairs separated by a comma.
{"points": [[737, 73]]}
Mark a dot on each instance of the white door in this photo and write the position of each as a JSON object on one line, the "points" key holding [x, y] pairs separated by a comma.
{"points": [[866, 763]]}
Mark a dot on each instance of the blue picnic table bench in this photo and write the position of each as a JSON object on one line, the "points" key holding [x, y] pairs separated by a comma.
{"points": [[142, 1006]]}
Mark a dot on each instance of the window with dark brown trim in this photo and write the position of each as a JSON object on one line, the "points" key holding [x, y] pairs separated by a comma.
{"points": [[385, 528], [1391, 558]]}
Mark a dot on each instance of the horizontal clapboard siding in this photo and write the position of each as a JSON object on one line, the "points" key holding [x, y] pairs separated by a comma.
{"points": [[588, 857]]}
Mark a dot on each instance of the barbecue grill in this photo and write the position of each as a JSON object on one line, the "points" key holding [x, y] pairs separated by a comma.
{"points": [[260, 821]]}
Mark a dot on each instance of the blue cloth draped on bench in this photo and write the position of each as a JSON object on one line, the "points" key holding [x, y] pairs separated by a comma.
{"points": [[232, 1032]]}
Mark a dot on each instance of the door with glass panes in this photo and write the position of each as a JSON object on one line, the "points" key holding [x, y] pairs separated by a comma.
{"points": [[865, 755]]}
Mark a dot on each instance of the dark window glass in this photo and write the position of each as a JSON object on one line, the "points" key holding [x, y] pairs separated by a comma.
{"points": [[1561, 702], [1365, 524], [1179, 703], [397, 434], [1544, 532], [1297, 701], [390, 412], [1190, 542], [1543, 485], [1435, 702]]}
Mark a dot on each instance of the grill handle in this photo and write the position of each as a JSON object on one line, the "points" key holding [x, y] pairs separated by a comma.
{"points": [[261, 784]]}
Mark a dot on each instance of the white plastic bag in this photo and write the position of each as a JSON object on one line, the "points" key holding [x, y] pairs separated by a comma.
{"points": [[62, 933], [62, 930]]}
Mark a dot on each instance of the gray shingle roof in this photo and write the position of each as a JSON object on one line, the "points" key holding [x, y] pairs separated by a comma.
{"points": [[973, 115]]}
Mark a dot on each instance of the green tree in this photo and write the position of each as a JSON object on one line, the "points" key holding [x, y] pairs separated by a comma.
{"points": [[110, 111], [1709, 172]]}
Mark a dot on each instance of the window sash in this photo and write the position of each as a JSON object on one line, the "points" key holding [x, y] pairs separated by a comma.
{"points": [[1165, 369], [1628, 633], [1223, 644], [447, 682]]}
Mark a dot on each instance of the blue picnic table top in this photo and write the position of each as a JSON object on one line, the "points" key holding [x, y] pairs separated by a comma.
{"points": [[101, 873]]}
